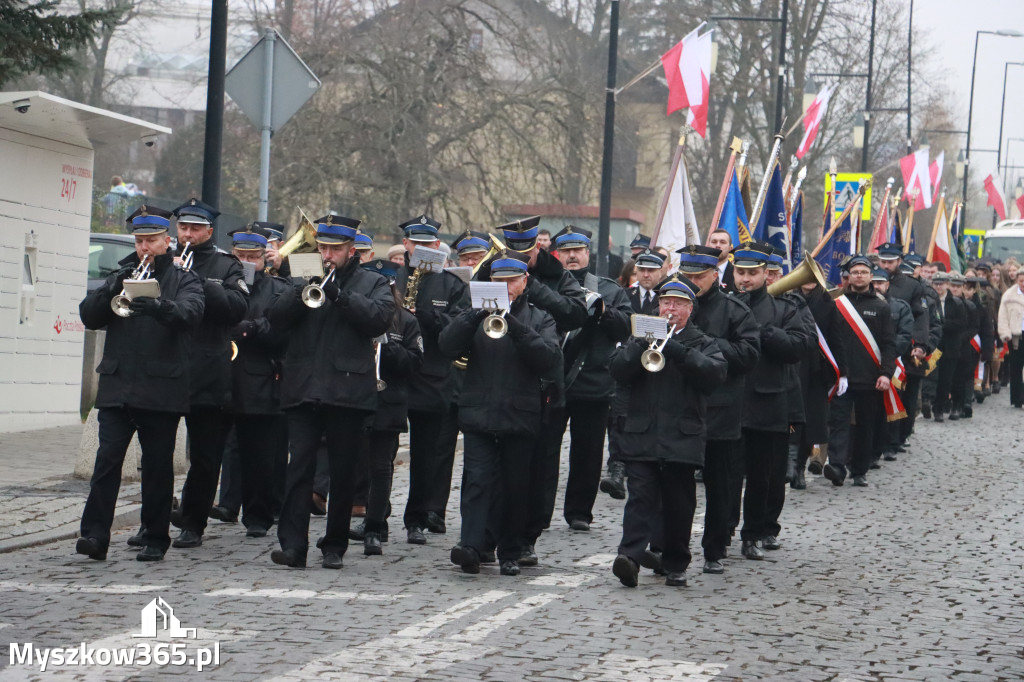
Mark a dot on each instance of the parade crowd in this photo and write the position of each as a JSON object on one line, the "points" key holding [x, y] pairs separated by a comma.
{"points": [[294, 390]]}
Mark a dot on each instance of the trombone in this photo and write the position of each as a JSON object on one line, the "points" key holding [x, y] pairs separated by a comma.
{"points": [[121, 304], [313, 295], [653, 359]]}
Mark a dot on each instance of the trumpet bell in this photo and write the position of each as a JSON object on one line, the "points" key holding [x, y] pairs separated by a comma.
{"points": [[495, 326], [313, 296], [121, 305], [381, 384], [304, 238], [652, 360], [808, 271]]}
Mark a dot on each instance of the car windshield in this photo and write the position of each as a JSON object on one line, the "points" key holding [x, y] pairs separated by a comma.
{"points": [[1004, 247], [104, 256]]}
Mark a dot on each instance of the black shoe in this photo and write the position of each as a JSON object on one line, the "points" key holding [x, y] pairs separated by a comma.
{"points": [[676, 579], [150, 553], [579, 524], [529, 557], [371, 545], [955, 415], [415, 536], [613, 484], [815, 467], [357, 532], [510, 567], [652, 560], [969, 411], [187, 539], [714, 567], [926, 410], [331, 560], [139, 539], [833, 473], [874, 465], [798, 482], [889, 456], [698, 475], [223, 514], [770, 542], [939, 417], [435, 523], [751, 550], [467, 558], [256, 532], [489, 557], [289, 557], [996, 388], [626, 570], [90, 547], [860, 481], [176, 518]]}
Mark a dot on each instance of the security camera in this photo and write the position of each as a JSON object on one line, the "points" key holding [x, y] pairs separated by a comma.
{"points": [[149, 140], [22, 105]]}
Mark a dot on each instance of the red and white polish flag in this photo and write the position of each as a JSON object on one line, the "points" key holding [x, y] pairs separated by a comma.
{"points": [[688, 74], [917, 178], [812, 120]]}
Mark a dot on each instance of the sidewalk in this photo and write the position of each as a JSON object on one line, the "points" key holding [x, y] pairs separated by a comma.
{"points": [[41, 501]]}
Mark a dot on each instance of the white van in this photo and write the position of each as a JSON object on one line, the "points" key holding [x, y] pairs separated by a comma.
{"points": [[1004, 240]]}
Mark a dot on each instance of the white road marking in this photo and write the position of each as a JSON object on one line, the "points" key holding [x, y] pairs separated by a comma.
{"points": [[271, 593], [452, 614], [596, 560], [560, 580], [479, 631], [51, 588], [617, 667]]}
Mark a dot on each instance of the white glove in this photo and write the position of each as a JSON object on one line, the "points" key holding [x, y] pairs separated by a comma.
{"points": [[843, 385]]}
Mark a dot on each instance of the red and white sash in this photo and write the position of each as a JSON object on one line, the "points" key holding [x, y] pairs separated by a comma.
{"points": [[899, 377], [894, 409], [827, 352], [976, 343]]}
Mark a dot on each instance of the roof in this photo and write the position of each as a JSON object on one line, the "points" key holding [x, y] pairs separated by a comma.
{"points": [[55, 118]]}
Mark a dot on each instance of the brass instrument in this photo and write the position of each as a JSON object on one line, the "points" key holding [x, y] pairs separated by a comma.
{"points": [[496, 248], [808, 271], [412, 289], [381, 384], [121, 304], [234, 351], [187, 257], [653, 359], [495, 325], [304, 237], [313, 295]]}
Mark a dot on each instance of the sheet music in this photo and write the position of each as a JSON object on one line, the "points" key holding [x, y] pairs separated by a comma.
{"points": [[489, 295], [427, 258], [135, 288], [648, 325], [306, 265], [250, 271], [464, 273]]}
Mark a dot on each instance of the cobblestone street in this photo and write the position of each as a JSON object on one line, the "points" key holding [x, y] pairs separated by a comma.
{"points": [[918, 576]]}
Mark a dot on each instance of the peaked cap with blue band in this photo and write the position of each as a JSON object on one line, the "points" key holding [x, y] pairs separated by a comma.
{"points": [[572, 237], [195, 211], [149, 220], [274, 232], [364, 241], [650, 259], [774, 261], [471, 242], [751, 254], [679, 286], [420, 229], [521, 235], [509, 264], [696, 258], [336, 229], [248, 238]]}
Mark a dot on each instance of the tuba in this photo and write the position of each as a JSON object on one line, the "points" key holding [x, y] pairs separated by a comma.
{"points": [[808, 271], [304, 237], [653, 359], [121, 304]]}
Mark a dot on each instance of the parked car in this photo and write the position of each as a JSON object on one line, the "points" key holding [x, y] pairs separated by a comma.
{"points": [[105, 250]]}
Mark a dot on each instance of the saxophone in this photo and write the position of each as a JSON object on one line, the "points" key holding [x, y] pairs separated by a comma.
{"points": [[412, 288]]}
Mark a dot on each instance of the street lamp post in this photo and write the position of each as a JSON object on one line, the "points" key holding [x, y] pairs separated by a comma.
{"points": [[780, 90], [1005, 32], [867, 94], [605, 208], [1002, 113]]}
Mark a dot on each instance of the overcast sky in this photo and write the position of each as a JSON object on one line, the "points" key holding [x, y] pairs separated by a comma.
{"points": [[950, 26]]}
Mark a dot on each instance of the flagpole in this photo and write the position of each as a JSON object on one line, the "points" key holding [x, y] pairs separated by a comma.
{"points": [[730, 169], [885, 211], [676, 156], [908, 229], [833, 171], [845, 214], [654, 66], [766, 180], [940, 213]]}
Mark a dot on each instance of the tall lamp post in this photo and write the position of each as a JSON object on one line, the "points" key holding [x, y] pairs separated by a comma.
{"points": [[1007, 33], [604, 219], [1002, 113]]}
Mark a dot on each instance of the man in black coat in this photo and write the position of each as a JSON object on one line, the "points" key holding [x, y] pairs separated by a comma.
{"points": [[766, 409], [440, 296], [722, 240], [209, 417], [868, 337], [328, 386], [260, 426], [663, 432], [589, 386], [962, 390], [727, 320], [143, 387], [500, 411], [954, 323], [643, 298], [552, 289]]}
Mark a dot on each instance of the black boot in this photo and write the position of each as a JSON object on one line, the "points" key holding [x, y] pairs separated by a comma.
{"points": [[614, 483], [371, 545], [791, 464], [799, 482]]}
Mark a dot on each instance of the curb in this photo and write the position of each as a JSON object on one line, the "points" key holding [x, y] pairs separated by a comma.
{"points": [[129, 516]]}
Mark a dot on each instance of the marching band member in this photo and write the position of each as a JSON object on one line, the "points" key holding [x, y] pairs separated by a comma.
{"points": [[364, 246], [500, 410], [143, 385], [209, 418], [662, 433], [328, 386]]}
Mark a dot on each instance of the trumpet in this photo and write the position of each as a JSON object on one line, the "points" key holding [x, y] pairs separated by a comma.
{"points": [[653, 359], [187, 257], [381, 384], [121, 304], [495, 325], [313, 295]]}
